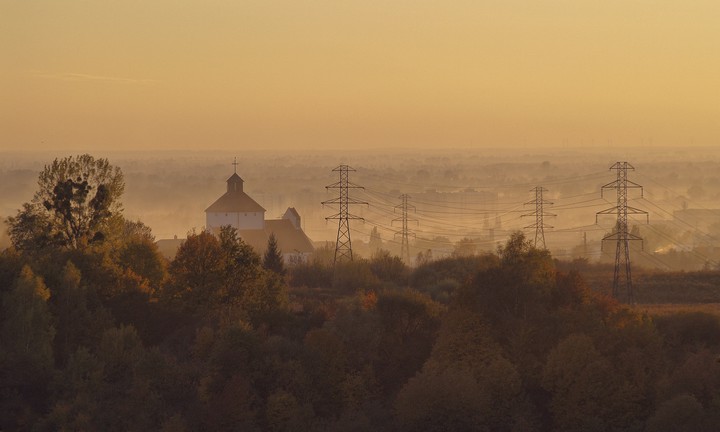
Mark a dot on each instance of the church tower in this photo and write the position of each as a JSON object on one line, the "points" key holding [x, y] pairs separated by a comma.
{"points": [[235, 208]]}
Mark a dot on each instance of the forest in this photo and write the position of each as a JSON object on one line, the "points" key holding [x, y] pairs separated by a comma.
{"points": [[99, 331]]}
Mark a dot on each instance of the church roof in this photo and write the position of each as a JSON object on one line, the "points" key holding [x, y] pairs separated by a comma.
{"points": [[235, 200], [289, 238], [235, 177], [292, 211]]}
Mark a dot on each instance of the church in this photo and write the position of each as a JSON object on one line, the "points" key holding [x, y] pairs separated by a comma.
{"points": [[239, 210]]}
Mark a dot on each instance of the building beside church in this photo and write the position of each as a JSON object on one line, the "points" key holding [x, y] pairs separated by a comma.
{"points": [[239, 210]]}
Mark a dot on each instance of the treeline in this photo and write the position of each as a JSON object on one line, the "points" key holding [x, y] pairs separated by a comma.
{"points": [[212, 341], [101, 333]]}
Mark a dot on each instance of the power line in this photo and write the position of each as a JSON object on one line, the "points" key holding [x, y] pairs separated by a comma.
{"points": [[469, 213], [486, 186]]}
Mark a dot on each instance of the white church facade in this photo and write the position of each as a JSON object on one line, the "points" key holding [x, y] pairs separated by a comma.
{"points": [[239, 210], [235, 208]]}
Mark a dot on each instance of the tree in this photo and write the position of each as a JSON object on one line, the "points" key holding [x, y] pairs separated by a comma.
{"points": [[196, 272], [516, 249], [375, 242], [447, 401], [241, 267], [79, 318], [408, 325], [388, 268], [26, 357], [264, 300], [27, 330], [465, 247], [227, 388], [272, 260], [122, 231], [424, 257], [118, 386], [683, 413], [325, 362], [143, 258], [209, 273], [76, 197], [466, 384], [354, 277], [588, 392], [284, 413], [520, 287]]}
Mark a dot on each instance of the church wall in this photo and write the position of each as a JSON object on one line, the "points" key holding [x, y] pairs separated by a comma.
{"points": [[241, 221]]}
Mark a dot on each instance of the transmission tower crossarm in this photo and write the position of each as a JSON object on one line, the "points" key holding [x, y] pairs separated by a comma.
{"points": [[617, 235], [348, 216], [344, 200]]}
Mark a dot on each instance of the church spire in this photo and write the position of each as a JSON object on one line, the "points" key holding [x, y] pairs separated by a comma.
{"points": [[235, 183]]}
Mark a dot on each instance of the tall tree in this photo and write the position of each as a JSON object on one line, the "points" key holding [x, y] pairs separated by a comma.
{"points": [[408, 326], [241, 267], [76, 197], [242, 263], [210, 272], [272, 260], [375, 242], [26, 357], [196, 273], [27, 330], [80, 319]]}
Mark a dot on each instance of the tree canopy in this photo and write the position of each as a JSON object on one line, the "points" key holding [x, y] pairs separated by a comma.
{"points": [[76, 197], [272, 259]]}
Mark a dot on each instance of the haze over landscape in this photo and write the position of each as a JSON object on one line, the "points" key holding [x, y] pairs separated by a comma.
{"points": [[532, 190]]}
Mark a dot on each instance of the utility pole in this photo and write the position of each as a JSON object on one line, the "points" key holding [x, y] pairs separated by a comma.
{"points": [[404, 231], [621, 236], [539, 214], [343, 245]]}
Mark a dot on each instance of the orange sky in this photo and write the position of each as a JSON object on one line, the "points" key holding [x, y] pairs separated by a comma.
{"points": [[274, 74]]}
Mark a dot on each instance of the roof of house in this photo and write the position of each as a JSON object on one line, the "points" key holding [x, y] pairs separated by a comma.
{"points": [[289, 238]]}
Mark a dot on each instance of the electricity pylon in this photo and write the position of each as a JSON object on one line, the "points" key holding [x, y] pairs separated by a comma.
{"points": [[343, 244], [404, 231], [539, 214], [621, 235]]}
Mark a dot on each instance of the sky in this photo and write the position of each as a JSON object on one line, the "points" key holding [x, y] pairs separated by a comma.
{"points": [[354, 74]]}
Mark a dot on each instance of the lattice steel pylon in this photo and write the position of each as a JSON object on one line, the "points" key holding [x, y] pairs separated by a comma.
{"points": [[621, 235], [404, 232], [539, 214], [343, 244]]}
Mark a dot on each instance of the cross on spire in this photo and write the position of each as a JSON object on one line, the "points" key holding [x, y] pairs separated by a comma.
{"points": [[235, 164]]}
